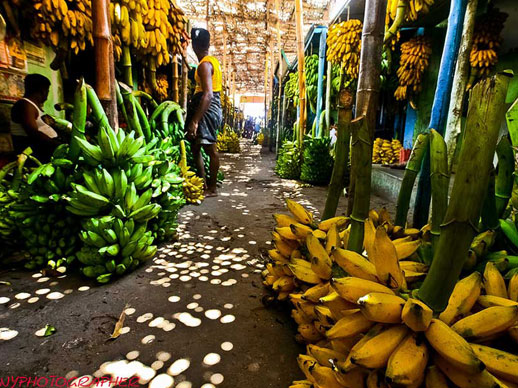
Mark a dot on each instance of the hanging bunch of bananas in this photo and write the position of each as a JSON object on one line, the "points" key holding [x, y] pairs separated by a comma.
{"points": [[260, 139], [193, 185], [311, 70], [416, 8], [414, 60], [317, 162], [361, 322], [228, 141], [344, 45], [162, 87], [386, 151], [486, 41], [291, 88], [289, 160], [63, 24], [152, 28]]}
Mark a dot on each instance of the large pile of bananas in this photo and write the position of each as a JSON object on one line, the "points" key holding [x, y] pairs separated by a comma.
{"points": [[228, 141], [311, 70], [193, 185], [317, 162], [361, 322], [153, 29], [260, 138], [344, 46], [289, 160], [486, 40], [291, 88], [386, 151], [414, 60], [414, 8], [162, 87]]}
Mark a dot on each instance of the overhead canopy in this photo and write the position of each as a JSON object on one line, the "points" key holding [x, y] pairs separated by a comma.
{"points": [[250, 28]]}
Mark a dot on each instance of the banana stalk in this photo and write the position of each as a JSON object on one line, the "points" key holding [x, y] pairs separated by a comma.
{"points": [[485, 111], [512, 122], [131, 111], [144, 123], [504, 176], [400, 18], [98, 114], [126, 65], [342, 153], [183, 156], [489, 217], [143, 95], [440, 179], [412, 169], [79, 120], [120, 102], [18, 174]]}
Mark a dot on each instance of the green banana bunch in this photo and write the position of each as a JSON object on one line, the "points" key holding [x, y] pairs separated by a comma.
{"points": [[317, 164], [289, 160]]}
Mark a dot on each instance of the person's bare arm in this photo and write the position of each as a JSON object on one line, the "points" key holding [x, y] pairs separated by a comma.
{"points": [[205, 73]]}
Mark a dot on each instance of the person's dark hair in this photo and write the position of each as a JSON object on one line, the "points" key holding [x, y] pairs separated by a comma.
{"points": [[35, 83], [200, 39]]}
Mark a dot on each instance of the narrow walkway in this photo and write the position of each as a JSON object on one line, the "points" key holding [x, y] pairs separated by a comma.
{"points": [[194, 312]]}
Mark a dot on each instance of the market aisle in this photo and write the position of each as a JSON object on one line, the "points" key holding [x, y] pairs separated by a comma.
{"points": [[194, 312]]}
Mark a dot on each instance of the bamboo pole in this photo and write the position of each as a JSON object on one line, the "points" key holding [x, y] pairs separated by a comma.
{"points": [[176, 87], [440, 179], [328, 98], [486, 109], [336, 186], [504, 178], [101, 35], [279, 49], [266, 63], [300, 63], [126, 65], [440, 104], [185, 83], [460, 79], [367, 97]]}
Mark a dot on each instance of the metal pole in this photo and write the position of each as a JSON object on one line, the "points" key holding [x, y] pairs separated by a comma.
{"points": [[300, 59], [328, 98], [320, 85]]}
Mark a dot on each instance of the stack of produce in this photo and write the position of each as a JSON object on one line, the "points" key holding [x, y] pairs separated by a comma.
{"points": [[228, 141], [193, 185], [289, 160], [311, 70], [361, 322], [291, 88], [344, 45], [260, 138], [413, 8], [317, 162], [486, 40], [153, 29], [162, 87], [386, 151], [414, 60]]}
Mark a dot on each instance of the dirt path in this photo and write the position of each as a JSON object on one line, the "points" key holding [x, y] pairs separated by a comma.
{"points": [[194, 312]]}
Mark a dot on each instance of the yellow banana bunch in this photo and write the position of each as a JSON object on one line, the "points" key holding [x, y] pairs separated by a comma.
{"points": [[228, 141], [162, 87], [486, 40], [260, 139], [414, 60], [344, 45], [386, 151], [193, 186]]}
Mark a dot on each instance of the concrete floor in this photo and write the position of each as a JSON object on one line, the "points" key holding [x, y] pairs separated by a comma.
{"points": [[194, 312]]}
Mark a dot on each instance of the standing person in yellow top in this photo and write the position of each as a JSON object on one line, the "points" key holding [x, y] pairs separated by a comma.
{"points": [[204, 114]]}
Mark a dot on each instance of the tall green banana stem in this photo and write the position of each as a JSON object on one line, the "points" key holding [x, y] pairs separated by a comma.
{"points": [[157, 113], [126, 65], [98, 114], [440, 179], [144, 123], [120, 102], [504, 177], [336, 186], [399, 19], [164, 117], [152, 73], [7, 169], [413, 167], [18, 174], [143, 95], [131, 111], [489, 217], [183, 155], [78, 120], [512, 122], [486, 109]]}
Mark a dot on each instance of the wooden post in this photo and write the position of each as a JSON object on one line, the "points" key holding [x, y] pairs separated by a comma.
{"points": [[176, 88], [103, 51], [279, 128], [224, 72], [266, 62], [300, 58], [185, 82]]}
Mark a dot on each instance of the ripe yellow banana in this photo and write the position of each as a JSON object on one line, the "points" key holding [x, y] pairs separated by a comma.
{"points": [[325, 355], [325, 315], [286, 233], [314, 293], [416, 315], [299, 212], [353, 288], [339, 222], [386, 261], [284, 220], [407, 363], [285, 247], [369, 237], [321, 235], [494, 283], [276, 255], [305, 274], [491, 300], [502, 364], [512, 289], [487, 322], [407, 249], [309, 332], [383, 308], [435, 378], [349, 326], [320, 262], [299, 317], [301, 230], [413, 266], [452, 347], [376, 351], [333, 240], [375, 379], [355, 264], [463, 298], [353, 379], [305, 364], [337, 304]]}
